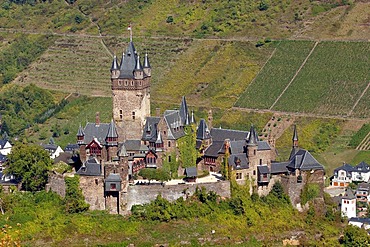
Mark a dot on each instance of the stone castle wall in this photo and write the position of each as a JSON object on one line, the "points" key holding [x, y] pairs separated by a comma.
{"points": [[140, 194], [93, 191], [56, 184]]}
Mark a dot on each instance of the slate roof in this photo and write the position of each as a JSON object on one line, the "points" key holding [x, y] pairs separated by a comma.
{"points": [[113, 177], [263, 169], [99, 132], [203, 131], [295, 134], [362, 167], [185, 116], [304, 161], [191, 172], [263, 145], [215, 149], [5, 181], [122, 151], [279, 167], [346, 167], [219, 134], [50, 147], [151, 129], [252, 137], [112, 131], [134, 145], [348, 194], [3, 143], [3, 158], [128, 62], [363, 187], [65, 157], [90, 168], [360, 220], [71, 147], [146, 61], [173, 121], [114, 64], [237, 147], [238, 161]]}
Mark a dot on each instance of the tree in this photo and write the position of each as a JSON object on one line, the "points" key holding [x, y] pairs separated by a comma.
{"points": [[30, 164], [355, 236], [74, 200]]}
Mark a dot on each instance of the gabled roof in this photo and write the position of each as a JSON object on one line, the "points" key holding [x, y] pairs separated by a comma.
{"points": [[362, 167], [237, 147], [3, 143], [360, 220], [203, 131], [238, 161], [50, 147], [174, 125], [90, 168], [113, 177], [98, 131], [304, 161], [263, 145], [132, 145], [71, 147], [346, 167], [279, 167], [219, 134], [263, 169], [150, 129], [191, 172], [363, 186], [348, 194], [214, 149]]}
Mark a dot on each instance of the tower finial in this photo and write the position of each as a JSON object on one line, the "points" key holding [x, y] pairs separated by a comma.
{"points": [[130, 29]]}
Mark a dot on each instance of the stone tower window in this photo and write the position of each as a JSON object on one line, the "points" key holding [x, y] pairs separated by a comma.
{"points": [[126, 83], [120, 114], [260, 161], [254, 152], [169, 144], [119, 83], [132, 83], [133, 115], [169, 158]]}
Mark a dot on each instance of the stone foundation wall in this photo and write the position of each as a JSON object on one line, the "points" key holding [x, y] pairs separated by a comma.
{"points": [[56, 184], [140, 194], [93, 191]]}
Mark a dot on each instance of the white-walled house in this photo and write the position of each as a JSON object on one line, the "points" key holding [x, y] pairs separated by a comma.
{"points": [[360, 222], [346, 174], [53, 150], [348, 204], [5, 147]]}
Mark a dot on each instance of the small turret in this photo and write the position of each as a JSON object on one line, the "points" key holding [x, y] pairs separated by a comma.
{"points": [[138, 71], [114, 69], [147, 68], [122, 61], [192, 120], [80, 135], [252, 140], [295, 137], [184, 113], [112, 135]]}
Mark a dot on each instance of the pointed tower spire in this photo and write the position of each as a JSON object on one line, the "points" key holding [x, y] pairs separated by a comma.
{"points": [[184, 113], [192, 120], [252, 140], [114, 64], [138, 64], [112, 132], [122, 60], [146, 61], [80, 135], [295, 137]]}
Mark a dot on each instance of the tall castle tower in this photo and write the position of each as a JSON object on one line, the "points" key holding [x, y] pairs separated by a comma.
{"points": [[131, 93]]}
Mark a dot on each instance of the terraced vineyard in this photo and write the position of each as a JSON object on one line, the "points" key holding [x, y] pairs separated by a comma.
{"points": [[332, 80], [276, 74], [74, 65]]}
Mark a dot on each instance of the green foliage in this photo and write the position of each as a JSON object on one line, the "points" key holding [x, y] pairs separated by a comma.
{"points": [[360, 135], [171, 167], [186, 145], [263, 5], [310, 192], [155, 174], [355, 236], [30, 164], [74, 200], [20, 53], [21, 106]]}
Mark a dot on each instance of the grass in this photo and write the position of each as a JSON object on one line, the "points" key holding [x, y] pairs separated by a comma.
{"points": [[73, 65], [79, 110], [329, 84], [276, 74]]}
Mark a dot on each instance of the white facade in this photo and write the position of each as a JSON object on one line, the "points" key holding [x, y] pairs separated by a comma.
{"points": [[348, 208], [6, 148]]}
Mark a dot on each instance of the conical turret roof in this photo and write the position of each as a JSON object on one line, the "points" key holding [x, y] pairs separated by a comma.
{"points": [[122, 61], [252, 140], [80, 131], [146, 61], [138, 64], [112, 131], [295, 134], [114, 64]]}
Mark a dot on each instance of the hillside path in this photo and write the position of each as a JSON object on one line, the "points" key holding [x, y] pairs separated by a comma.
{"points": [[358, 100], [295, 75]]}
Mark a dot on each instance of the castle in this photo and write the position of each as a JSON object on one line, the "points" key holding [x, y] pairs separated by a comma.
{"points": [[112, 153]]}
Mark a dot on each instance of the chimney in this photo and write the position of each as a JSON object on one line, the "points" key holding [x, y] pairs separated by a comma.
{"points": [[97, 119], [158, 112]]}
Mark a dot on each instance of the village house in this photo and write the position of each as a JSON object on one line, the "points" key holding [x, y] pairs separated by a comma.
{"points": [[346, 174]]}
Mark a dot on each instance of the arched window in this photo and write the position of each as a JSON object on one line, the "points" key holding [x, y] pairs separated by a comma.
{"points": [[169, 143]]}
